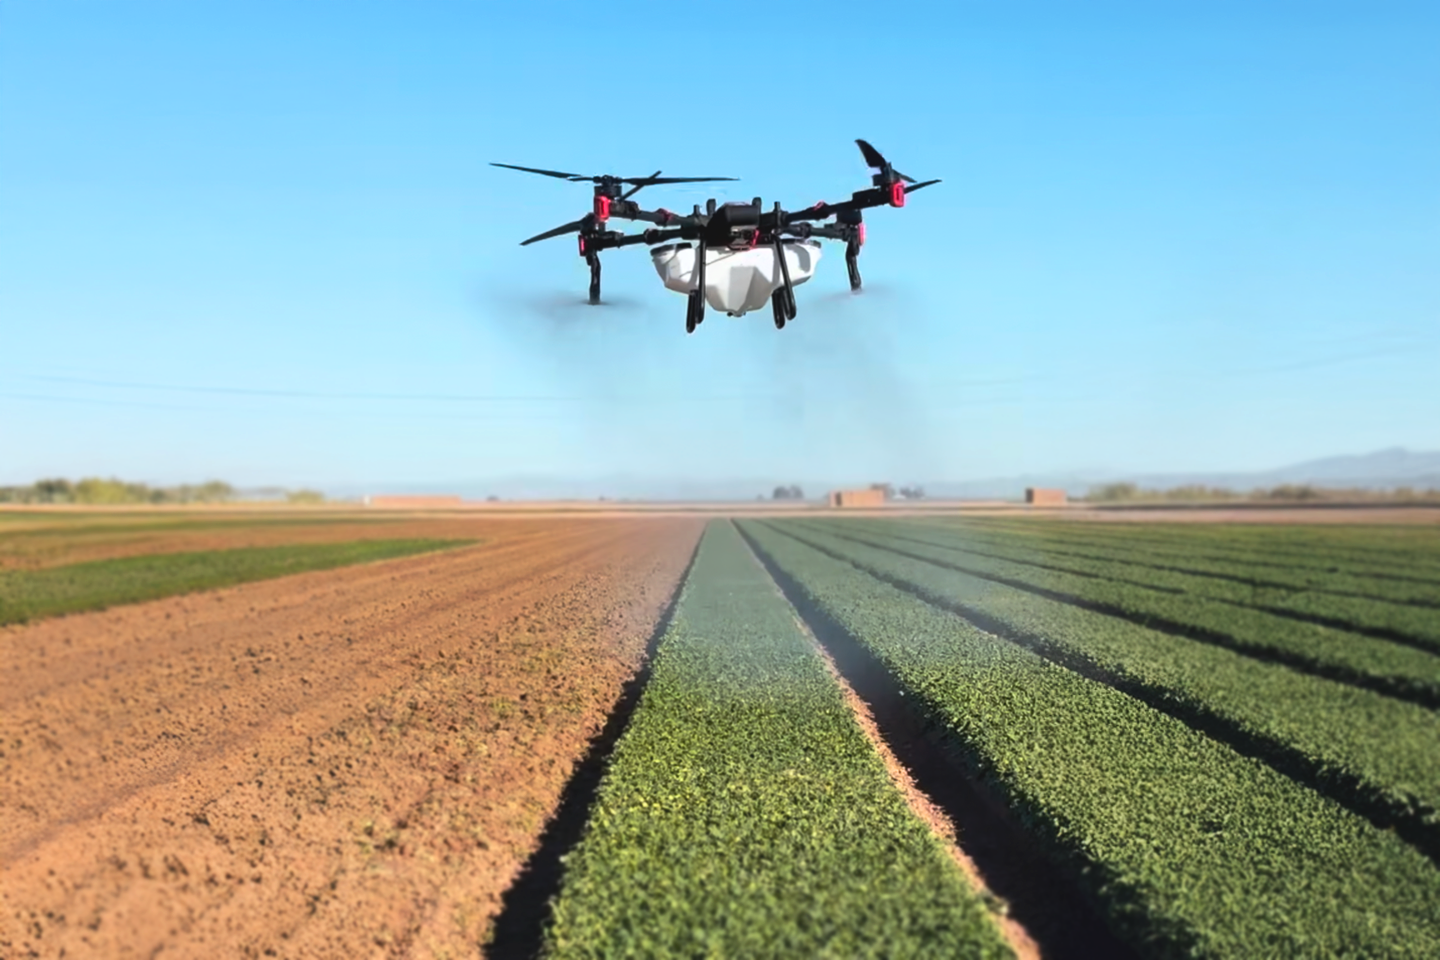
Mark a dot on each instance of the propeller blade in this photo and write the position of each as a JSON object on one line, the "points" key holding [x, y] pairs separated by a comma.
{"points": [[548, 173], [630, 193], [902, 176], [647, 181], [571, 227], [872, 156], [920, 186]]}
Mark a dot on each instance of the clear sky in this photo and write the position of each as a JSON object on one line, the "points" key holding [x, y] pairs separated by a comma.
{"points": [[261, 241]]}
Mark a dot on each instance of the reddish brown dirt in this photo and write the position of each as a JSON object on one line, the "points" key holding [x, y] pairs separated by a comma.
{"points": [[349, 762], [920, 803], [36, 544]]}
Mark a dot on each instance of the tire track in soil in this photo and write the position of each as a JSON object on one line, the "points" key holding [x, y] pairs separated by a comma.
{"points": [[380, 810], [1043, 914]]}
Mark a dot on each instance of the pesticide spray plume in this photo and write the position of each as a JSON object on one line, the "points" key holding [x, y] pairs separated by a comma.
{"points": [[840, 371], [870, 293], [565, 309]]}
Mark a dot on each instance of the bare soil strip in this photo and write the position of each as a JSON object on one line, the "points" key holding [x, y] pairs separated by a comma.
{"points": [[1043, 914], [344, 762]]}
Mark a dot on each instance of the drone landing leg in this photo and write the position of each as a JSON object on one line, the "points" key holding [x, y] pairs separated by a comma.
{"points": [[777, 305], [852, 263], [695, 308], [594, 261], [788, 288]]}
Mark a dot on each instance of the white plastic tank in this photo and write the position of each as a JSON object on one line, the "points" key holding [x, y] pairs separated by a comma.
{"points": [[736, 281]]}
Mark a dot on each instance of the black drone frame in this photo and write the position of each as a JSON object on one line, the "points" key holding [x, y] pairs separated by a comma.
{"points": [[732, 225]]}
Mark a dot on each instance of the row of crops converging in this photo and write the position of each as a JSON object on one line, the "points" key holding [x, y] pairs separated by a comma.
{"points": [[1222, 744]]}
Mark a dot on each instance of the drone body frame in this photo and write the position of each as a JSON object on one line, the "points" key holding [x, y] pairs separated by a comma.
{"points": [[729, 238]]}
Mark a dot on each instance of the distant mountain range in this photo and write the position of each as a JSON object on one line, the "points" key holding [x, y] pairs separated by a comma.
{"points": [[1381, 470]]}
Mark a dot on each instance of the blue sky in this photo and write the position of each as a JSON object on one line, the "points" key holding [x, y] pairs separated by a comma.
{"points": [[262, 241]]}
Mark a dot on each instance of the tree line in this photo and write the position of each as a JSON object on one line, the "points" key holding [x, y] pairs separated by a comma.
{"points": [[100, 491], [1122, 492], [794, 492]]}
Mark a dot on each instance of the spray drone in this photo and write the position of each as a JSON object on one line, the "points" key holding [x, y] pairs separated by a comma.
{"points": [[733, 256]]}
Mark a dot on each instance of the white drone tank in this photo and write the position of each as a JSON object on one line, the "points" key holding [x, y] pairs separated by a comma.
{"points": [[736, 281]]}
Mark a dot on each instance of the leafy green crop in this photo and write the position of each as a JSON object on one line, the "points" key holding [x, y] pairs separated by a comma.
{"points": [[1376, 752], [1192, 849], [1370, 553], [745, 814], [1223, 612], [29, 594], [1255, 569]]}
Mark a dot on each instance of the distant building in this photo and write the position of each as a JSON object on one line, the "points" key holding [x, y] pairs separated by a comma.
{"points": [[857, 498], [411, 503], [1042, 497]]}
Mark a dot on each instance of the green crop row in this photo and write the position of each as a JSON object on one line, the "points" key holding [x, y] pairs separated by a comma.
{"points": [[1266, 577], [1381, 664], [1191, 848], [1378, 553], [1373, 752], [1410, 612], [1333, 550], [745, 814], [30, 594]]}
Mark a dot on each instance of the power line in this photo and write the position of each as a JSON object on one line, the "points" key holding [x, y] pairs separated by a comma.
{"points": [[385, 397]]}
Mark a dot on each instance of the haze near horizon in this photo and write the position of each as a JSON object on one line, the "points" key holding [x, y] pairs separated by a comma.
{"points": [[264, 242]]}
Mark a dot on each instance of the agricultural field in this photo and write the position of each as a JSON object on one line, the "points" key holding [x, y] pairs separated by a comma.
{"points": [[308, 734]]}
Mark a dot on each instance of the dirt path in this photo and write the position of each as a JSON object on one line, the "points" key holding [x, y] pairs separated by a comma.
{"points": [[349, 762]]}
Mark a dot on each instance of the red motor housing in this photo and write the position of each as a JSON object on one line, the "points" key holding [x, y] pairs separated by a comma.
{"points": [[897, 193], [602, 208]]}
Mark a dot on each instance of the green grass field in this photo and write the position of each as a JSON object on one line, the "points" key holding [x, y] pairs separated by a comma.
{"points": [[30, 594]]}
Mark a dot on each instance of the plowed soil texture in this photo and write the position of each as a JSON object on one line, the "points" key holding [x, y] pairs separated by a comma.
{"points": [[352, 762], [40, 539]]}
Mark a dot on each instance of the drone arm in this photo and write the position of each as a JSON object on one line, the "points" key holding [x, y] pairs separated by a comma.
{"points": [[613, 241], [861, 200], [627, 210], [823, 231]]}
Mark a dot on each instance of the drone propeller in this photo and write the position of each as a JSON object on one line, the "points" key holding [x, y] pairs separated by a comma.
{"points": [[634, 190], [874, 159], [634, 181], [570, 227], [920, 186], [547, 173]]}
